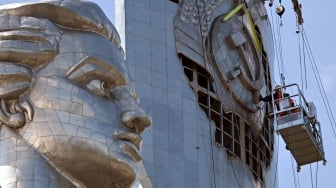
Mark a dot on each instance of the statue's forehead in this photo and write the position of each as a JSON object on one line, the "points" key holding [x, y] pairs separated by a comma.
{"points": [[78, 15]]}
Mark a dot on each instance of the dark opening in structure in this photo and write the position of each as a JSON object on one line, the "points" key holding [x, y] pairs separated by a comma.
{"points": [[231, 131]]}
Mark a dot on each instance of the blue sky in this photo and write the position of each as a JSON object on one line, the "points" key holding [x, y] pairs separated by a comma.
{"points": [[321, 30], [321, 36]]}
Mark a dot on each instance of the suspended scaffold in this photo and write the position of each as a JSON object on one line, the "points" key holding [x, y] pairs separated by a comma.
{"points": [[297, 124]]}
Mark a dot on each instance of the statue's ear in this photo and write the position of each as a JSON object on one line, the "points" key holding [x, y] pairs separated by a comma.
{"points": [[15, 108]]}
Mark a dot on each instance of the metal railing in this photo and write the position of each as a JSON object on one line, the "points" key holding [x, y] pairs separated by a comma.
{"points": [[297, 108]]}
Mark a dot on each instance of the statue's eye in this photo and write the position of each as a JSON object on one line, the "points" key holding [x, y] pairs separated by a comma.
{"points": [[98, 87], [97, 75]]}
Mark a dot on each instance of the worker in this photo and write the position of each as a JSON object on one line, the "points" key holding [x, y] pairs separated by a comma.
{"points": [[277, 95]]}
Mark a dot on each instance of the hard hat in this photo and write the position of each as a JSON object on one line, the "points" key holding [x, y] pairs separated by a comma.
{"points": [[277, 87]]}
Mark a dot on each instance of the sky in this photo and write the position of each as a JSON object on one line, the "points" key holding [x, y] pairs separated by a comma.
{"points": [[320, 29], [320, 32]]}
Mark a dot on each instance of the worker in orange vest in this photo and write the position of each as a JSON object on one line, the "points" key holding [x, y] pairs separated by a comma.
{"points": [[277, 95]]}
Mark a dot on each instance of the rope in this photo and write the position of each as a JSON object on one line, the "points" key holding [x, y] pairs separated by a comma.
{"points": [[276, 49], [298, 178], [304, 61], [275, 42], [304, 83], [293, 173], [320, 85], [311, 176], [276, 164], [282, 65], [209, 110], [317, 165], [278, 46], [302, 67], [232, 128], [281, 69]]}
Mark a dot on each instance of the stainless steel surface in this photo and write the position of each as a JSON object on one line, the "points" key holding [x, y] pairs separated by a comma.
{"points": [[69, 113], [180, 149]]}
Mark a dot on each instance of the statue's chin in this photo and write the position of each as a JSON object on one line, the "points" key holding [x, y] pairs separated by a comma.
{"points": [[98, 171], [85, 162]]}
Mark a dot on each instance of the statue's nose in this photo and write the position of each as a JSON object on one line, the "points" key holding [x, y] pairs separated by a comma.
{"points": [[132, 115], [136, 119]]}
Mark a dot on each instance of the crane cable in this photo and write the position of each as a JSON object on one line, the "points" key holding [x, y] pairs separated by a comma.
{"points": [[295, 174], [281, 67], [304, 84], [282, 72], [278, 49], [278, 46], [275, 41], [311, 175], [306, 46], [275, 46], [276, 166], [320, 85], [304, 63], [280, 62], [303, 67], [317, 165], [319, 82]]}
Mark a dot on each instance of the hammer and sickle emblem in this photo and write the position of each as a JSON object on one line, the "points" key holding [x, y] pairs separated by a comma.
{"points": [[236, 51]]}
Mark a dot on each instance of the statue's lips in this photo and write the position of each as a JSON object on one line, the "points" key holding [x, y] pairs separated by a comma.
{"points": [[28, 46], [131, 144]]}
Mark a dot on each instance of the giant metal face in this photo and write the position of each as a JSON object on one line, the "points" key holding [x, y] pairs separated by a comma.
{"points": [[65, 87]]}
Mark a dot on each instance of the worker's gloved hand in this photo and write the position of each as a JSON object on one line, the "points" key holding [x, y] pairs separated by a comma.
{"points": [[260, 98]]}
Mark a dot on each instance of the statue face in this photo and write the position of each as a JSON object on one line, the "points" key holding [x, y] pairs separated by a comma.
{"points": [[83, 111]]}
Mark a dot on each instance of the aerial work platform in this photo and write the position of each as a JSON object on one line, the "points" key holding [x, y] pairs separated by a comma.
{"points": [[302, 139], [298, 126]]}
